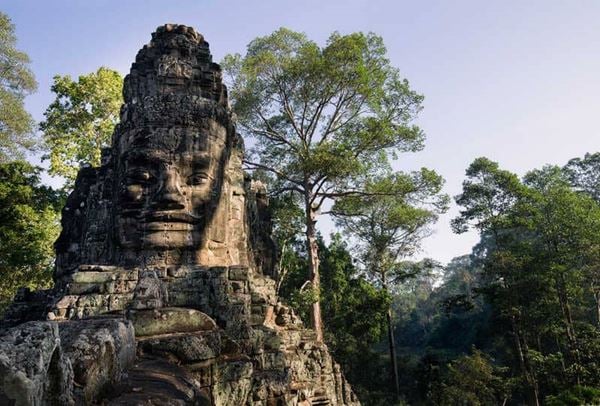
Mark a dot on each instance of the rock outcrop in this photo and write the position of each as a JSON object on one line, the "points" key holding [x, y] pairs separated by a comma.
{"points": [[164, 284]]}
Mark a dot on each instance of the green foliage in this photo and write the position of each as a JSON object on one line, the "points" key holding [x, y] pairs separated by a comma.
{"points": [[324, 121], [29, 225], [389, 227], [288, 222], [354, 315], [527, 297], [472, 380], [322, 117], [539, 270], [584, 174], [80, 121], [578, 395], [16, 82], [487, 194], [356, 309], [438, 321]]}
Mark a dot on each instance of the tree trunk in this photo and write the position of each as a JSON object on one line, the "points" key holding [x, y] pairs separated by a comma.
{"points": [[597, 297], [596, 293], [523, 361], [392, 344], [313, 267], [562, 357], [565, 306], [563, 300], [281, 272]]}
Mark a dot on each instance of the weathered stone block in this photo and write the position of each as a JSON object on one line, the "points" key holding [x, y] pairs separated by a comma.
{"points": [[66, 301], [33, 368], [150, 292], [100, 352], [120, 287], [99, 268], [238, 274], [189, 348], [170, 320], [273, 360], [238, 286], [233, 383], [84, 288], [182, 271], [273, 342], [203, 372], [119, 301], [93, 301]]}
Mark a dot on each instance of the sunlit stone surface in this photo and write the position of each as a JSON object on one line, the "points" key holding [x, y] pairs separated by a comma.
{"points": [[164, 276]]}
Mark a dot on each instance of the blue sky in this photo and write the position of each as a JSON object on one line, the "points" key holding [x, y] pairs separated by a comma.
{"points": [[516, 81]]}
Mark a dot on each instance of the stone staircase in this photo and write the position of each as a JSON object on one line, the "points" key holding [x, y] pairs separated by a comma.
{"points": [[154, 381]]}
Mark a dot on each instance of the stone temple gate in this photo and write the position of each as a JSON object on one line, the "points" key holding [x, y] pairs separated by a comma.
{"points": [[164, 283]]}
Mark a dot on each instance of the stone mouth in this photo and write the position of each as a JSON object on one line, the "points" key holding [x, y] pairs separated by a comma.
{"points": [[167, 226], [170, 217]]}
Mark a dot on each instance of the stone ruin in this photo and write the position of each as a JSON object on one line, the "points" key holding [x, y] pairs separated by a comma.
{"points": [[165, 278]]}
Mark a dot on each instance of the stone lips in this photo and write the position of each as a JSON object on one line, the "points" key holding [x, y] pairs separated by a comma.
{"points": [[164, 274]]}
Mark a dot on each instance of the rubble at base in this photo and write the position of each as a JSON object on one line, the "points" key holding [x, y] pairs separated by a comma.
{"points": [[99, 351]]}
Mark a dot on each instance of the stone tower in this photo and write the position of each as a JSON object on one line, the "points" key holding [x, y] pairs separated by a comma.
{"points": [[164, 291]]}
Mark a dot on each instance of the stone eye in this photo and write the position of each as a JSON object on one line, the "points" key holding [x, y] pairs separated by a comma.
{"points": [[139, 176], [198, 179]]}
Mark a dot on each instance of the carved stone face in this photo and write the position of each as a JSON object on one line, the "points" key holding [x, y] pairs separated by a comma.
{"points": [[169, 185]]}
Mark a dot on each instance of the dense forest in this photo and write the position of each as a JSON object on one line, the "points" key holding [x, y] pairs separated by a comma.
{"points": [[515, 321]]}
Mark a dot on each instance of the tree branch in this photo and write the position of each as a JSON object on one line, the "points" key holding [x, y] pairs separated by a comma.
{"points": [[269, 169], [289, 112], [287, 189], [319, 184]]}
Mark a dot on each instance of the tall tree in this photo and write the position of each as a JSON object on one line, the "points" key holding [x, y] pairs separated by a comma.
{"points": [[473, 380], [489, 196], [584, 174], [16, 82], [545, 246], [80, 121], [29, 225], [322, 120], [354, 317], [390, 228]]}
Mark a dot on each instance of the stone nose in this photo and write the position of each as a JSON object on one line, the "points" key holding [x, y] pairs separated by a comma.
{"points": [[169, 195]]}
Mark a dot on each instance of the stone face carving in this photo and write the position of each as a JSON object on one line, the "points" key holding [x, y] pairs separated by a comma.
{"points": [[170, 241], [169, 185]]}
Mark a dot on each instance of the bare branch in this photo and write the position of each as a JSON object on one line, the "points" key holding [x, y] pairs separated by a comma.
{"points": [[272, 135], [332, 125], [320, 182], [256, 165], [289, 112], [312, 125], [357, 113], [287, 189]]}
